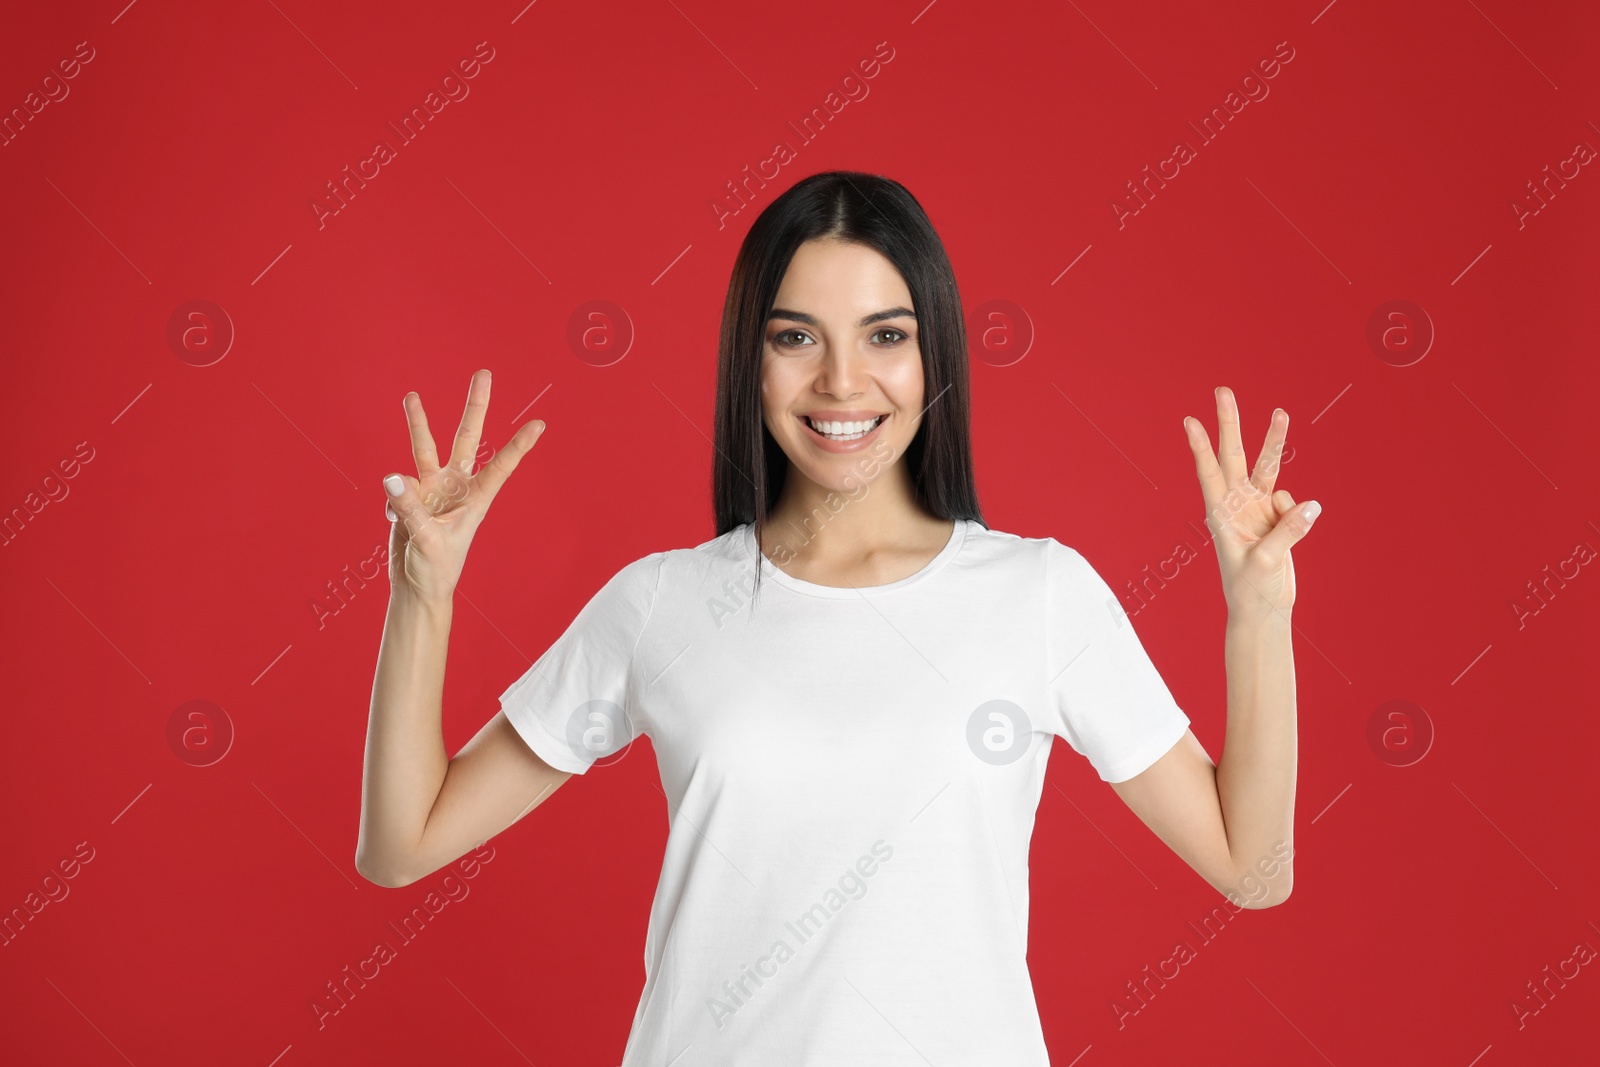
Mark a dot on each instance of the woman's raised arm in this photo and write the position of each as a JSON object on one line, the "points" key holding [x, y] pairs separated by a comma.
{"points": [[420, 809]]}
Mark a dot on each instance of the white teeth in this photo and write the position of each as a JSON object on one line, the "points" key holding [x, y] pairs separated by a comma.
{"points": [[844, 431]]}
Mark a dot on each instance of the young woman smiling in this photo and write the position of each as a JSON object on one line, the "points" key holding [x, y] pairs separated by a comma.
{"points": [[886, 698]]}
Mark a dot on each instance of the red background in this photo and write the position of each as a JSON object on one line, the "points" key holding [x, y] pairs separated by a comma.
{"points": [[185, 562]]}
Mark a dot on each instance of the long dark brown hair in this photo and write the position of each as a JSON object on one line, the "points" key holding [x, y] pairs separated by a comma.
{"points": [[749, 467]]}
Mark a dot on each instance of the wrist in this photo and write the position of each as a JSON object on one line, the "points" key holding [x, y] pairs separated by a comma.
{"points": [[1263, 620], [405, 598]]}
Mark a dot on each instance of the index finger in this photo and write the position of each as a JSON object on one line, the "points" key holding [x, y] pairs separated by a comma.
{"points": [[1212, 485]]}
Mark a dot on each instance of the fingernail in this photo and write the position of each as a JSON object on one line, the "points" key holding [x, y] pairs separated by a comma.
{"points": [[1311, 511], [394, 484], [387, 510]]}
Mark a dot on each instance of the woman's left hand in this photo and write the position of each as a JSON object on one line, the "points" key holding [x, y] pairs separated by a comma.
{"points": [[1252, 526]]}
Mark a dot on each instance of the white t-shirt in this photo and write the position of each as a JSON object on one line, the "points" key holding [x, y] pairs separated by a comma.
{"points": [[852, 777]]}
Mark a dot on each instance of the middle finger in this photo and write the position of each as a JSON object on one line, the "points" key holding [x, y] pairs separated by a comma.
{"points": [[465, 449], [1230, 447]]}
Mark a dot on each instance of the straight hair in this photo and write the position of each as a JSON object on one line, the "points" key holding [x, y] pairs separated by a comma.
{"points": [[749, 467]]}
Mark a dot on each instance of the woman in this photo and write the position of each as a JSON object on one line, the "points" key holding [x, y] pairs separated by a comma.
{"points": [[853, 688]]}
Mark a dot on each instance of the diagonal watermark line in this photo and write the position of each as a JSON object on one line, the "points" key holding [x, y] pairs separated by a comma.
{"points": [[678, 813], [1332, 402], [274, 663], [1113, 44], [1468, 667], [274, 263], [517, 418], [101, 232], [131, 803], [1110, 842], [132, 402], [488, 1020], [302, 833], [1070, 662], [1513, 44], [674, 263], [1331, 803], [713, 44], [302, 433], [99, 631], [313, 44], [1301, 232], [702, 433], [501, 232], [897, 630], [1288, 1020], [1102, 433], [1069, 266], [889, 1024], [1502, 833], [88, 1020], [1502, 433], [931, 799], [1469, 266]]}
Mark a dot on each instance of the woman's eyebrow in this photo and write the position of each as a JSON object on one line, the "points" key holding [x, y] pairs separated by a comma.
{"points": [[811, 320]]}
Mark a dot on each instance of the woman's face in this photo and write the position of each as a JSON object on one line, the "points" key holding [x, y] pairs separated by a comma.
{"points": [[842, 346]]}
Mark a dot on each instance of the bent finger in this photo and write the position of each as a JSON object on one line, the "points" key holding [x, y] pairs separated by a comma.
{"points": [[406, 504]]}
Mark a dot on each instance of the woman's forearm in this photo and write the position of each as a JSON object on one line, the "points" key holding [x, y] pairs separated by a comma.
{"points": [[405, 760], [1256, 771]]}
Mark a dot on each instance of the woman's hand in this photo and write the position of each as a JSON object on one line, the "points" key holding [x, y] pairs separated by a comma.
{"points": [[435, 514], [1251, 526]]}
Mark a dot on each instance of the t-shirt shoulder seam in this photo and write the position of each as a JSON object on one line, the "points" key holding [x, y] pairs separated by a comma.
{"points": [[633, 653]]}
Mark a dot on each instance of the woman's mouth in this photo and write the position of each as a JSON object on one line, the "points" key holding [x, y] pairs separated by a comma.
{"points": [[842, 432]]}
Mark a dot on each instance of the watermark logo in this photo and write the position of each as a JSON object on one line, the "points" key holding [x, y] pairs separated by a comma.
{"points": [[1400, 733], [599, 332], [998, 732], [200, 333], [1000, 333], [1400, 333], [599, 732], [199, 733]]}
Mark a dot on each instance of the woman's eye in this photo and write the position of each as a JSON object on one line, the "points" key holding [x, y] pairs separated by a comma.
{"points": [[798, 338]]}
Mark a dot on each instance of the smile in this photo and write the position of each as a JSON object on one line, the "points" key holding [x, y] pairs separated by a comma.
{"points": [[841, 432]]}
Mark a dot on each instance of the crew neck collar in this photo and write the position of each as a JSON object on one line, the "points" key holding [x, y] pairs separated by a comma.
{"points": [[770, 571]]}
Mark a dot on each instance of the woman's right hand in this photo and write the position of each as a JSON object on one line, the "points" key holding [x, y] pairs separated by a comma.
{"points": [[434, 516]]}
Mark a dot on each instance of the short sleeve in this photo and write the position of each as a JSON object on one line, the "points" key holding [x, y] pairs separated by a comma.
{"points": [[574, 705], [1106, 697]]}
